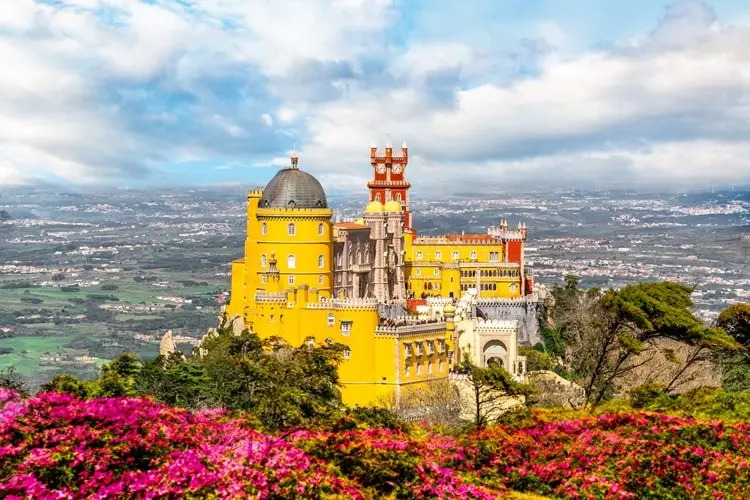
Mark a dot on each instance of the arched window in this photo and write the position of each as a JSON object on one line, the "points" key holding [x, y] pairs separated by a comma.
{"points": [[291, 229], [377, 197], [291, 262], [359, 257], [351, 258], [419, 255], [455, 256], [320, 229], [263, 260], [473, 255], [438, 255], [321, 261], [398, 197], [264, 229]]}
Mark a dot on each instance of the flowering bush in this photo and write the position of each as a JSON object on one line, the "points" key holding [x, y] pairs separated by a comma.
{"points": [[57, 446]]}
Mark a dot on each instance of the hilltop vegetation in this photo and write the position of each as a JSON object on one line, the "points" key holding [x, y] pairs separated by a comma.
{"points": [[57, 445], [245, 416]]}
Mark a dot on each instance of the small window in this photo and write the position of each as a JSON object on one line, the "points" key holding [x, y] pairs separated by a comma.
{"points": [[263, 260], [407, 371], [291, 229], [347, 353], [440, 366], [263, 278], [321, 261], [377, 197], [454, 255], [320, 229], [431, 347], [420, 350], [398, 196], [331, 320], [429, 367], [419, 368], [346, 328], [320, 280], [291, 279], [291, 262], [438, 255], [473, 255], [338, 278], [407, 350], [494, 256], [419, 255], [264, 229], [418, 272], [436, 271]]}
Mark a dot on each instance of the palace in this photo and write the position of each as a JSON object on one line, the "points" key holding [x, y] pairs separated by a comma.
{"points": [[407, 307]]}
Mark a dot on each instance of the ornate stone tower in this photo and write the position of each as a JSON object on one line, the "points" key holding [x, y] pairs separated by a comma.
{"points": [[389, 178]]}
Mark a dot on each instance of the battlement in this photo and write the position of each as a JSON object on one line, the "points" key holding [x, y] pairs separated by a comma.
{"points": [[270, 296], [363, 304], [411, 327], [294, 212], [445, 240], [504, 234], [255, 193], [508, 326]]}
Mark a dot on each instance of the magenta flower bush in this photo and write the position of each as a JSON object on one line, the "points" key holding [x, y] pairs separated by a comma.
{"points": [[57, 446]]}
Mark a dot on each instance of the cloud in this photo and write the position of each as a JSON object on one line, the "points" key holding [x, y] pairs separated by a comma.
{"points": [[112, 91]]}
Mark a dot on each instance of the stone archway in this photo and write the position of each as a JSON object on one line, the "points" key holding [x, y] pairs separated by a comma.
{"points": [[494, 352]]}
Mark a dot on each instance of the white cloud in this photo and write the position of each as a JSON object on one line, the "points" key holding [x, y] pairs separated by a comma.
{"points": [[100, 90]]}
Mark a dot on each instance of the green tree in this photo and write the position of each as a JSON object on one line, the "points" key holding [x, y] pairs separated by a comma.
{"points": [[628, 322], [11, 379], [490, 388], [735, 364]]}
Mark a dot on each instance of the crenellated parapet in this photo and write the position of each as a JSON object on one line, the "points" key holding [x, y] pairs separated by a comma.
{"points": [[280, 297], [361, 304], [444, 240], [414, 329], [508, 327]]}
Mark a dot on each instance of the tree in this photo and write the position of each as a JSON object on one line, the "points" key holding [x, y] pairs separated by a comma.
{"points": [[627, 323], [735, 364], [11, 379], [490, 388]]}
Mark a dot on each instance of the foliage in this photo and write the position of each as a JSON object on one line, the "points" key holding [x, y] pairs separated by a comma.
{"points": [[735, 364], [646, 394], [610, 334], [281, 385], [57, 445], [12, 380], [536, 360], [490, 388]]}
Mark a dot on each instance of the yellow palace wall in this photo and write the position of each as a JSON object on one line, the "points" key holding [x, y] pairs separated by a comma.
{"points": [[448, 266]]}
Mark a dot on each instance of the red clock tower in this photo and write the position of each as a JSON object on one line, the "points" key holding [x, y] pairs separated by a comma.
{"points": [[389, 180]]}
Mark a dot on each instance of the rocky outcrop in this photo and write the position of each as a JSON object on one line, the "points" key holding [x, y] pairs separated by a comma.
{"points": [[554, 391], [167, 345]]}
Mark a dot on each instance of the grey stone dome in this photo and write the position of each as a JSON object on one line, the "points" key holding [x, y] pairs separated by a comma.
{"points": [[293, 188]]}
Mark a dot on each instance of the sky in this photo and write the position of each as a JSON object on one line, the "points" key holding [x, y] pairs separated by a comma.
{"points": [[489, 95]]}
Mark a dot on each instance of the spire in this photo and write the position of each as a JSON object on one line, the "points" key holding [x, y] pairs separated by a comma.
{"points": [[388, 140], [403, 146]]}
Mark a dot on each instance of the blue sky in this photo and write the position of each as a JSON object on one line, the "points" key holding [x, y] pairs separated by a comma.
{"points": [[488, 94]]}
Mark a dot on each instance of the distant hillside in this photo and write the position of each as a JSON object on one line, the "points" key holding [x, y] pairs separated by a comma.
{"points": [[4, 215]]}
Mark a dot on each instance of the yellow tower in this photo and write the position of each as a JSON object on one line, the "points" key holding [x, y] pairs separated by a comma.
{"points": [[289, 240]]}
